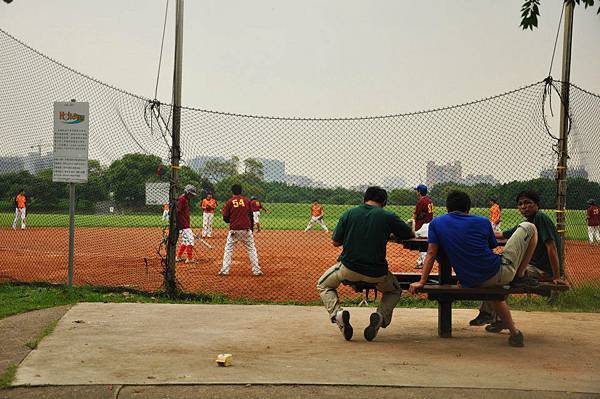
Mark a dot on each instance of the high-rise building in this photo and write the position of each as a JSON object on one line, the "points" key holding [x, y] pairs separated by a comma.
{"points": [[437, 174]]}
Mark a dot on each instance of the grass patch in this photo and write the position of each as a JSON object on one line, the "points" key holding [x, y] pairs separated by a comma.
{"points": [[19, 298], [47, 331], [8, 376]]}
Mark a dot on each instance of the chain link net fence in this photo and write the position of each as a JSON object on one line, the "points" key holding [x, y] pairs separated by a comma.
{"points": [[491, 148]]}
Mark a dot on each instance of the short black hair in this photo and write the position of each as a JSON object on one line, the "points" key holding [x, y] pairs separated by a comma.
{"points": [[494, 199], [377, 194], [532, 195], [236, 189], [458, 201]]}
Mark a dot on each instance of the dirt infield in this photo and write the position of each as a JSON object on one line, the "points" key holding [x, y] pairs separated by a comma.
{"points": [[291, 260]]}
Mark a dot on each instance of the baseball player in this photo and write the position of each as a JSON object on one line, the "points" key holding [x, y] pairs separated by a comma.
{"points": [[165, 215], [422, 215], [209, 204], [495, 217], [256, 207], [316, 216], [238, 213], [183, 224], [20, 209], [593, 221]]}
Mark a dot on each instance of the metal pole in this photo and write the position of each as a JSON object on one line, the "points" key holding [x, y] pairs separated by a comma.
{"points": [[170, 281], [561, 169], [71, 233]]}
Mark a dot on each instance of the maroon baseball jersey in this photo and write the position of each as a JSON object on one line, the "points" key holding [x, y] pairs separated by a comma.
{"points": [[593, 214], [239, 212], [423, 212], [183, 212], [256, 205]]}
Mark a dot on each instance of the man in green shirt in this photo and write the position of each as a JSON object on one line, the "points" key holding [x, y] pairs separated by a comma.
{"points": [[363, 232], [546, 263]]}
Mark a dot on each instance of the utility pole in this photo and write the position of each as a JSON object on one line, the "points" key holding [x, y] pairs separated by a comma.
{"points": [[561, 169], [170, 281]]}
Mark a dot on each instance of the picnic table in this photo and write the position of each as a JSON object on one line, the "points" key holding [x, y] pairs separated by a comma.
{"points": [[443, 287]]}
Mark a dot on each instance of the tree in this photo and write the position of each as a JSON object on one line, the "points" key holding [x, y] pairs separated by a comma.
{"points": [[254, 167], [531, 10], [128, 176], [96, 188], [216, 170]]}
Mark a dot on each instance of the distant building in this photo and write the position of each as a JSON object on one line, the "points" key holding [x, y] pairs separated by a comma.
{"points": [[11, 164], [577, 171], [303, 181], [472, 180], [394, 183], [34, 162], [437, 174], [273, 169]]}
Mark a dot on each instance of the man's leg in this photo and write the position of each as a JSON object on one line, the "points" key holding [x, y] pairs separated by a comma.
{"points": [[211, 216], [516, 337], [597, 233], [327, 287], [23, 215], [17, 212], [525, 258], [591, 234], [322, 223], [228, 251], [309, 225], [252, 254], [204, 224]]}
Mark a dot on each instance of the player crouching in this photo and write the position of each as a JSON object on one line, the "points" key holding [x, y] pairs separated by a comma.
{"points": [[183, 224]]}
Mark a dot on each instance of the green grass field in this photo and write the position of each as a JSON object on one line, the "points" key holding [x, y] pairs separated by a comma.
{"points": [[281, 217]]}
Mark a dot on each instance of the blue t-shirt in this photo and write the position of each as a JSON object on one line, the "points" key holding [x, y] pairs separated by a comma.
{"points": [[467, 240]]}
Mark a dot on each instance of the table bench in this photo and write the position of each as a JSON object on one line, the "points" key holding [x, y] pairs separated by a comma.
{"points": [[443, 287]]}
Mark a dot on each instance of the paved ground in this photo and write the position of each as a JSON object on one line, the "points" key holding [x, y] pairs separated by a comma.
{"points": [[139, 346]]}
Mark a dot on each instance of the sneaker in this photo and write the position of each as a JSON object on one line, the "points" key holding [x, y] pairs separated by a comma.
{"points": [[516, 340], [222, 273], [342, 318], [372, 329], [258, 273], [419, 266], [179, 259], [496, 326], [189, 261], [482, 319], [524, 282]]}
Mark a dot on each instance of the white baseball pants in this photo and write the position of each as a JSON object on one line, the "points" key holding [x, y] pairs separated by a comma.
{"points": [[207, 223], [313, 220], [594, 232], [247, 238], [22, 212]]}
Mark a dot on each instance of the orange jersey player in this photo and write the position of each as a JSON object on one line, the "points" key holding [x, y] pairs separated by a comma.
{"points": [[316, 216], [20, 209], [495, 214], [209, 204]]}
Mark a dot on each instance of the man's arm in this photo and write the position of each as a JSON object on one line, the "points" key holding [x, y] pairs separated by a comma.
{"points": [[554, 261], [498, 234], [432, 250]]}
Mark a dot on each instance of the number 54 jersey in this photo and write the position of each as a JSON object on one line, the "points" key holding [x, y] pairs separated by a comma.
{"points": [[238, 211]]}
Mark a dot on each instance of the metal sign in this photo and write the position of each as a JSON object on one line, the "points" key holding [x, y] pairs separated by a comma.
{"points": [[71, 142]]}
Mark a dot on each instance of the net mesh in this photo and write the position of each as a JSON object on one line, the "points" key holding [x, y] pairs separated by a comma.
{"points": [[494, 147]]}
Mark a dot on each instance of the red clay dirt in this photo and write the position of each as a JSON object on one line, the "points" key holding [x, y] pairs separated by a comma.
{"points": [[127, 257]]}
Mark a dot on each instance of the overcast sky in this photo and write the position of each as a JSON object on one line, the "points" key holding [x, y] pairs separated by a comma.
{"points": [[310, 58], [335, 58]]}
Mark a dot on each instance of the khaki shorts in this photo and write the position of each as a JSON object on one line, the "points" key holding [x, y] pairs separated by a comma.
{"points": [[513, 255]]}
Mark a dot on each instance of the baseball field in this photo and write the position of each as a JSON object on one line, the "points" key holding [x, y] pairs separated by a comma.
{"points": [[123, 250]]}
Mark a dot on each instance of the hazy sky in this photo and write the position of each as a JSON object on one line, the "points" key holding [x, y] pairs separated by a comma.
{"points": [[310, 58], [335, 58]]}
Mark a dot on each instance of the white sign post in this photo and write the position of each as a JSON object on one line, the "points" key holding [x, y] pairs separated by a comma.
{"points": [[70, 158]]}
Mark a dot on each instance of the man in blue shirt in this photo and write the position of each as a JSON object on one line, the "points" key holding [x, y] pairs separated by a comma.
{"points": [[468, 241]]}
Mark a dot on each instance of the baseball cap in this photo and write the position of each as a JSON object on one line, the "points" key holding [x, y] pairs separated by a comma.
{"points": [[591, 202], [421, 188], [190, 189]]}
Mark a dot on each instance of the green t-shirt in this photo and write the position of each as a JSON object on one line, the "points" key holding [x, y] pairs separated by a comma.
{"points": [[546, 231], [364, 232]]}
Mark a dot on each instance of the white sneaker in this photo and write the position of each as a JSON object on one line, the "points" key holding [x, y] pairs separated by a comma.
{"points": [[342, 319], [258, 273], [222, 273]]}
